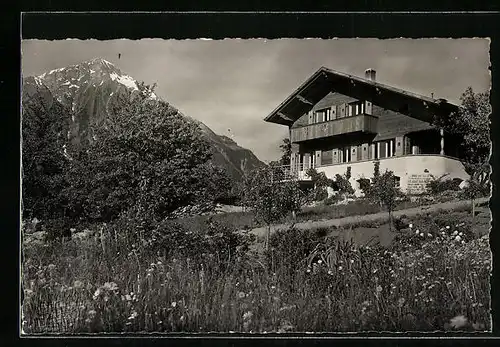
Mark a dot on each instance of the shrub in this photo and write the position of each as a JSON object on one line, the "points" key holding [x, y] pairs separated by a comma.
{"points": [[440, 185]]}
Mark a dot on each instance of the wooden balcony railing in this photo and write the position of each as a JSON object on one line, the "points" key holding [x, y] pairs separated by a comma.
{"points": [[359, 123]]}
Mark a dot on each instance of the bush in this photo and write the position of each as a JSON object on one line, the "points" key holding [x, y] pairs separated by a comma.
{"points": [[333, 199], [441, 185]]}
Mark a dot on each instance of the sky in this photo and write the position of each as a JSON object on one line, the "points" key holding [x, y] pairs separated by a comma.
{"points": [[232, 85]]}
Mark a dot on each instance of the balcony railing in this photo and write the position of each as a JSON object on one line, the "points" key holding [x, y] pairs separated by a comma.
{"points": [[288, 173], [359, 123]]}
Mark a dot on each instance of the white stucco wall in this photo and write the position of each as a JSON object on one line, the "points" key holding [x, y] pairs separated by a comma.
{"points": [[410, 168]]}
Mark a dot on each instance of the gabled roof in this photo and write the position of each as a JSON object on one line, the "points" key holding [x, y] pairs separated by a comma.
{"points": [[325, 81]]}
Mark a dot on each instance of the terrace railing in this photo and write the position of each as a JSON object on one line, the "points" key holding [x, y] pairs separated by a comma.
{"points": [[289, 173]]}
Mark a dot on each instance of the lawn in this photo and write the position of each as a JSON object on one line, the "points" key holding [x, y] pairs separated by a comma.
{"points": [[246, 220]]}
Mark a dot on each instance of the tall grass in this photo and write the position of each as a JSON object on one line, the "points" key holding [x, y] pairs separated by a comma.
{"points": [[105, 281]]}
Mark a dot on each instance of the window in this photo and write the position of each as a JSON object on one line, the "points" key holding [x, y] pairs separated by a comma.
{"points": [[322, 115], [346, 155], [356, 108]]}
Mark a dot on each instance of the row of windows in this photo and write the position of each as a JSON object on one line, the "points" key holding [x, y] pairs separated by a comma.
{"points": [[340, 111], [378, 150]]}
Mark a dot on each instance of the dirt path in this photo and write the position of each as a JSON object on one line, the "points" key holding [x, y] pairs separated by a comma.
{"points": [[261, 232]]}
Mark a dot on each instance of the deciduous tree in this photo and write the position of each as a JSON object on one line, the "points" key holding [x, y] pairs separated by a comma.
{"points": [[471, 123]]}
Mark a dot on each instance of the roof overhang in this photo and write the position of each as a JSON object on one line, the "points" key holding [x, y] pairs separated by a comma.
{"points": [[325, 81]]}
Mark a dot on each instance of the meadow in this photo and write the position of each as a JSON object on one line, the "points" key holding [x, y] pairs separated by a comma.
{"points": [[166, 278]]}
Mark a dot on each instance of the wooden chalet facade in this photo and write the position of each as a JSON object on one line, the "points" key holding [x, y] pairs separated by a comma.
{"points": [[337, 121]]}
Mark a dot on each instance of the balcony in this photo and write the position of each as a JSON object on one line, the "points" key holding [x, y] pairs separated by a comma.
{"points": [[360, 123]]}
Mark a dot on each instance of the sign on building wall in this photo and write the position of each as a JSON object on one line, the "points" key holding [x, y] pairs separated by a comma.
{"points": [[418, 183]]}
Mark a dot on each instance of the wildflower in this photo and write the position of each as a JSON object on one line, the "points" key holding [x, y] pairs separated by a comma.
{"points": [[110, 286], [401, 302], [273, 287], [458, 322], [330, 272], [417, 232], [378, 289], [97, 293], [458, 238], [429, 235], [174, 304], [447, 227], [77, 284], [308, 270], [247, 315], [340, 268], [133, 315], [421, 234], [463, 242], [352, 261], [51, 267], [241, 295], [410, 226], [454, 233], [320, 261]]}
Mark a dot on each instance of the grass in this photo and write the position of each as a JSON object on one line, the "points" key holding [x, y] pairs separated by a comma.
{"points": [[246, 220], [306, 282]]}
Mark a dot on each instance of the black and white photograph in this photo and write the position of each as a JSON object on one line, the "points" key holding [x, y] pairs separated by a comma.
{"points": [[257, 186]]}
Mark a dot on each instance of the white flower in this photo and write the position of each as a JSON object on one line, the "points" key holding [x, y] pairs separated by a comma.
{"points": [[458, 322], [417, 232], [460, 233], [320, 261], [429, 235], [410, 226], [340, 267], [174, 304], [458, 238], [447, 227], [421, 234], [455, 233]]}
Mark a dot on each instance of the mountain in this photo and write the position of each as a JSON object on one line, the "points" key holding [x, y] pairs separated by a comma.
{"points": [[89, 89]]}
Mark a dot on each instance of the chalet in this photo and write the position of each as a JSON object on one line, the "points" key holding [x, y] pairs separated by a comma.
{"points": [[337, 121]]}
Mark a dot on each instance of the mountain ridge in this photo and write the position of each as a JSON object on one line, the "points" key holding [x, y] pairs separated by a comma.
{"points": [[88, 89]]}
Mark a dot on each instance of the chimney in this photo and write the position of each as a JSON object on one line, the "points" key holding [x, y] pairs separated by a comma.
{"points": [[370, 74]]}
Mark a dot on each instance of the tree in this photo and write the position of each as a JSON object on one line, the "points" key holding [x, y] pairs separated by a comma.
{"points": [[320, 182], [270, 199], [384, 191], [341, 184], [471, 123], [145, 155], [286, 150], [43, 161]]}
